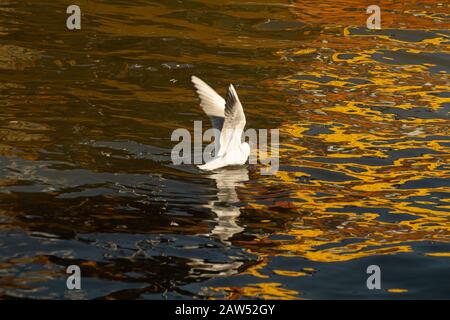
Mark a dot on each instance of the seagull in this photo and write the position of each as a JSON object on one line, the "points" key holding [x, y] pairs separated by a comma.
{"points": [[227, 116]]}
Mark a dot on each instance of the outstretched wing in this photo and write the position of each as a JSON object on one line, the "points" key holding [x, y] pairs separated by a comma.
{"points": [[211, 102], [234, 124]]}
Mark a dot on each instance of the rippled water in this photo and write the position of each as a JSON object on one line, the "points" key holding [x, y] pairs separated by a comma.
{"points": [[86, 176]]}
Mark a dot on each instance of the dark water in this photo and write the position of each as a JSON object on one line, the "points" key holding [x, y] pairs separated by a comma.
{"points": [[86, 176]]}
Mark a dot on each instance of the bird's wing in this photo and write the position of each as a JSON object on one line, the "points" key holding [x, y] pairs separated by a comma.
{"points": [[211, 102], [234, 123]]}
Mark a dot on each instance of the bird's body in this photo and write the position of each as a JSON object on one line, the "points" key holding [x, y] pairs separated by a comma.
{"points": [[227, 116]]}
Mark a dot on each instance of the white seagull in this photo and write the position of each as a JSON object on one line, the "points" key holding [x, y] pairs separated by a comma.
{"points": [[228, 117]]}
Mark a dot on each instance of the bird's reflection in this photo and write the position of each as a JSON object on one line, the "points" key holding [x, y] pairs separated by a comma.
{"points": [[227, 180], [202, 269], [226, 226]]}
